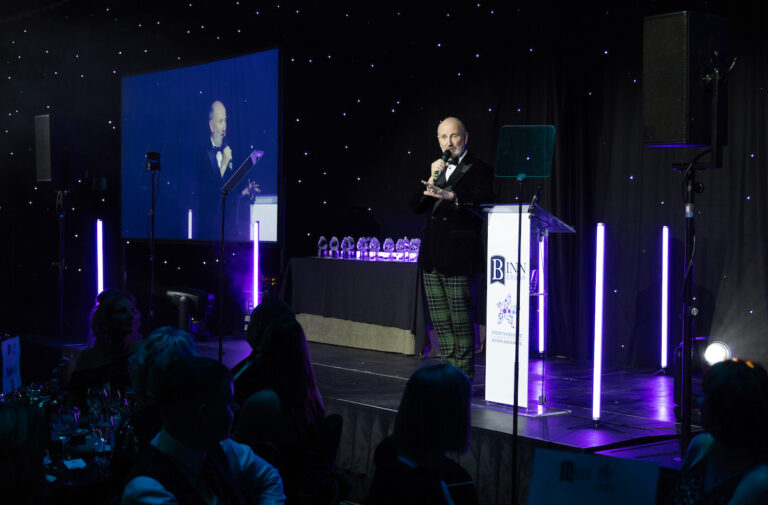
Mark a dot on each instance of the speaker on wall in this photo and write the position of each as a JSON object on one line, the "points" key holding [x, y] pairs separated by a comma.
{"points": [[56, 150], [679, 50], [43, 148]]}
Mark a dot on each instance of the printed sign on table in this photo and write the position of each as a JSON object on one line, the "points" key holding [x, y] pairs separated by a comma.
{"points": [[560, 478], [10, 363]]}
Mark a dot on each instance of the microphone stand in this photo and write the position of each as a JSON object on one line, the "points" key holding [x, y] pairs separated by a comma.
{"points": [[231, 183], [61, 209], [515, 408], [220, 328]]}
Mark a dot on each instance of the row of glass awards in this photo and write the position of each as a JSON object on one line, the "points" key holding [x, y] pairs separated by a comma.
{"points": [[369, 249]]}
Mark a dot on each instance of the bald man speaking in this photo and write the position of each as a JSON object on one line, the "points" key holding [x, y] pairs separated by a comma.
{"points": [[215, 167], [451, 252]]}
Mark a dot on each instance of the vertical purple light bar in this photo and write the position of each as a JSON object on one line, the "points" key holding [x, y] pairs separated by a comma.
{"points": [[598, 356], [256, 297], [664, 293], [542, 283], [99, 256], [189, 224]]}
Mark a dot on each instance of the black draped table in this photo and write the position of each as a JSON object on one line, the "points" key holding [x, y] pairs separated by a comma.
{"points": [[375, 305]]}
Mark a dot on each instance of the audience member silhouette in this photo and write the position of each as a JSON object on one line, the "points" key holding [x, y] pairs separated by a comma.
{"points": [[114, 333], [286, 419], [192, 459], [148, 364], [22, 446], [247, 373], [728, 463], [433, 420]]}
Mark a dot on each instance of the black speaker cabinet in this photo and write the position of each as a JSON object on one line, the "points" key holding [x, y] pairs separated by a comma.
{"points": [[57, 150], [679, 49], [43, 148]]}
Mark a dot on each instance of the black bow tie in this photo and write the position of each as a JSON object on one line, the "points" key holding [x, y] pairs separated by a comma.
{"points": [[218, 149]]}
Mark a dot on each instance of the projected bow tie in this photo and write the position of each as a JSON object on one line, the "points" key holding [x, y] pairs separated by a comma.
{"points": [[218, 149]]}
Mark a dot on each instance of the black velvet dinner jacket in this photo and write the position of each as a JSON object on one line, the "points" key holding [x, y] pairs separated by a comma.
{"points": [[450, 240]]}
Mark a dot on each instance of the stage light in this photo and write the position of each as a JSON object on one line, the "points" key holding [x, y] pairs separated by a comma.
{"points": [[189, 224], [542, 302], [717, 351], [664, 294], [99, 257], [598, 344], [256, 297]]}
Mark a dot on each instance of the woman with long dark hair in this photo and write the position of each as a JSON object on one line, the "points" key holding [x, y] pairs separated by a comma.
{"points": [[412, 466], [281, 421]]}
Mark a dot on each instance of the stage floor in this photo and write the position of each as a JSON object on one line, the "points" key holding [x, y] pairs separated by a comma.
{"points": [[637, 418]]}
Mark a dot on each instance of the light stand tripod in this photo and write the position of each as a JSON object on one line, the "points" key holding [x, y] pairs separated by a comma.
{"points": [[713, 79]]}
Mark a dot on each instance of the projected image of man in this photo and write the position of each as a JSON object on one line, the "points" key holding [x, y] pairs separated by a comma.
{"points": [[217, 122], [216, 167]]}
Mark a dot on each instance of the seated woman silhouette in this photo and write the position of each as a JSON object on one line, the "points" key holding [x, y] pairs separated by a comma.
{"points": [[728, 463], [433, 420], [114, 335], [283, 421]]}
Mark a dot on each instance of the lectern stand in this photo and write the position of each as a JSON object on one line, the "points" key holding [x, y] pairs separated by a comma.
{"points": [[501, 281]]}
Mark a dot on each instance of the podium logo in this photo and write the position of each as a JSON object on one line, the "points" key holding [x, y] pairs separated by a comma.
{"points": [[507, 311], [497, 269], [501, 270]]}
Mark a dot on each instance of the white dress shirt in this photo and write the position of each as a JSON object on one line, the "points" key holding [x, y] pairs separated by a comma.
{"points": [[219, 156], [451, 167]]}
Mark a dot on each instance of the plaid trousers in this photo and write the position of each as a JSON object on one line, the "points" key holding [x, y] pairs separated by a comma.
{"points": [[450, 308]]}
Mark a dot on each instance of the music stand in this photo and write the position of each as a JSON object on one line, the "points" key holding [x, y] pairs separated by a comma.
{"points": [[522, 152], [231, 184]]}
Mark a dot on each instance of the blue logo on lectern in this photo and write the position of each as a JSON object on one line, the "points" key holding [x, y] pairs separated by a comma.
{"points": [[501, 271], [497, 269]]}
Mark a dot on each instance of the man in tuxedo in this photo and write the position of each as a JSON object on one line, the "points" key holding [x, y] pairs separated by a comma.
{"points": [[193, 459], [215, 167], [451, 251]]}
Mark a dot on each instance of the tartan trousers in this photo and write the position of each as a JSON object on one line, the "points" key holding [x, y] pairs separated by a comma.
{"points": [[450, 308]]}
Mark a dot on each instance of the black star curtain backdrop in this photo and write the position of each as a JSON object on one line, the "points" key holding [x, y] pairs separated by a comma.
{"points": [[363, 89]]}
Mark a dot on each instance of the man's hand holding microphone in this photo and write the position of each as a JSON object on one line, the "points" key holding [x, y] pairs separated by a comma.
{"points": [[437, 167]]}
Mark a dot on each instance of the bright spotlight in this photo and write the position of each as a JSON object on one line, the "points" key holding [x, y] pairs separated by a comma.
{"points": [[716, 352]]}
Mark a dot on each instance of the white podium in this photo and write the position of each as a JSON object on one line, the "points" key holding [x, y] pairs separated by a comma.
{"points": [[264, 210], [501, 283]]}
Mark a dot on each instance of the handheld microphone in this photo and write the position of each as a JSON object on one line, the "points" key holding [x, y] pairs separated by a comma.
{"points": [[445, 157], [224, 144]]}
